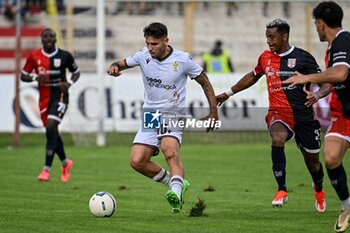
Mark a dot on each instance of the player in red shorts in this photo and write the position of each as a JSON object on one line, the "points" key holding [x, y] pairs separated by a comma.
{"points": [[289, 114], [47, 66], [328, 20]]}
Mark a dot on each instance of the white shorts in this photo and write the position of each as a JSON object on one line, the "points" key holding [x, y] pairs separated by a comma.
{"points": [[151, 138]]}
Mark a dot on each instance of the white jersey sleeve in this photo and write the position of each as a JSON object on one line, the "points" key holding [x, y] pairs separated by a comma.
{"points": [[193, 68], [134, 60]]}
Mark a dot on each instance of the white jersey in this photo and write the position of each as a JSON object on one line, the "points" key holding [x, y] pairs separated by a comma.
{"points": [[165, 80]]}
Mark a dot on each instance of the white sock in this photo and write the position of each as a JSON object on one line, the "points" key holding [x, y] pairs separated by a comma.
{"points": [[346, 204], [163, 176], [176, 184], [47, 168]]}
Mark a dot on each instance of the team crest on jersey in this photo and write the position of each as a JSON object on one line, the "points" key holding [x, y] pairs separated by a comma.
{"points": [[291, 62], [57, 62], [175, 65]]}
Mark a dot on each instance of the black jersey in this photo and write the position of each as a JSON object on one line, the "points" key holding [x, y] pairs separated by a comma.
{"points": [[339, 54]]}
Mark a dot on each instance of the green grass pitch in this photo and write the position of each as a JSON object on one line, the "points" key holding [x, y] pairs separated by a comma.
{"points": [[241, 201]]}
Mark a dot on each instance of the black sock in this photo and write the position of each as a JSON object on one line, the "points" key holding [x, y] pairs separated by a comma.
{"points": [[51, 143], [279, 166], [60, 149], [338, 181], [317, 178]]}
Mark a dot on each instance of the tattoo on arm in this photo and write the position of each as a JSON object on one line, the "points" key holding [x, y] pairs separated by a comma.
{"points": [[203, 80]]}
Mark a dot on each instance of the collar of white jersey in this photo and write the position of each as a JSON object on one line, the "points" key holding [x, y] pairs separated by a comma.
{"points": [[286, 52], [168, 55], [49, 54]]}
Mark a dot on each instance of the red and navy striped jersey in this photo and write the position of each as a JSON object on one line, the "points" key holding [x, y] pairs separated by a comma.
{"points": [[54, 65], [289, 101], [339, 54]]}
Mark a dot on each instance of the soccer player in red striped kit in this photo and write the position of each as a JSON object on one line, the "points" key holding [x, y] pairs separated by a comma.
{"points": [[290, 113], [48, 66], [328, 18]]}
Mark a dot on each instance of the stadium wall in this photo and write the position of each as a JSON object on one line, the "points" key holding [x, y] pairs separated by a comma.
{"points": [[123, 97]]}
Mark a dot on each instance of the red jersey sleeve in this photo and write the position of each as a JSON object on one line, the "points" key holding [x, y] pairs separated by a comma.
{"points": [[258, 70], [30, 64]]}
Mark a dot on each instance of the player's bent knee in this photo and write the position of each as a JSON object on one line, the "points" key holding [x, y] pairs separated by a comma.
{"points": [[136, 164], [331, 161], [278, 139]]}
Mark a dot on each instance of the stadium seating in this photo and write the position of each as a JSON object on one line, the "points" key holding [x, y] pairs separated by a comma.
{"points": [[243, 33]]}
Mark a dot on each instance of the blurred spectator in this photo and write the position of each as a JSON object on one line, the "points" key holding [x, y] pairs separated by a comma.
{"points": [[285, 5], [218, 60], [134, 8], [36, 6], [8, 8], [230, 7]]}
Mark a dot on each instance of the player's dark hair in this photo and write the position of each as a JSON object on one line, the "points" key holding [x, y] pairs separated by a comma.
{"points": [[47, 30], [281, 25], [330, 12], [156, 30]]}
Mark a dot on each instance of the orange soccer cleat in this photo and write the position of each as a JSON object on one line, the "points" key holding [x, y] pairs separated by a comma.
{"points": [[280, 198], [44, 175], [320, 202], [65, 171]]}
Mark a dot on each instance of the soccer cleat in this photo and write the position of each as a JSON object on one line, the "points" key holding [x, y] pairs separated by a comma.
{"points": [[343, 221], [44, 175], [280, 198], [320, 202], [65, 171], [173, 199]]}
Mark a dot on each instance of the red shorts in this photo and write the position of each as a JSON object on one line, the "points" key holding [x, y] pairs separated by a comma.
{"points": [[340, 126], [274, 116]]}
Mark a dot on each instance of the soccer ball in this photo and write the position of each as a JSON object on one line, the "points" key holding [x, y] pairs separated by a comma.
{"points": [[102, 204]]}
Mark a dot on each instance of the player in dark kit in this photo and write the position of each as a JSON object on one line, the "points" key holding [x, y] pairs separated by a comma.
{"points": [[328, 20], [47, 66], [289, 114]]}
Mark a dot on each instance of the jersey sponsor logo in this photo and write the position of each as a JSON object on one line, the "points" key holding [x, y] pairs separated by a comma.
{"points": [[57, 62], [291, 62], [339, 87], [148, 60], [286, 88], [155, 82]]}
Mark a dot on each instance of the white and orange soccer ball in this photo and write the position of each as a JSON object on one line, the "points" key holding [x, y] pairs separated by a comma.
{"points": [[102, 204]]}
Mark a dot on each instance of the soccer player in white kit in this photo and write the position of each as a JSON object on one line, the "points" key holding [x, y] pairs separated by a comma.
{"points": [[165, 71]]}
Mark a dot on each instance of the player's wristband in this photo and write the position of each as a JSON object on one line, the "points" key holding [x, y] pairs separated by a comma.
{"points": [[229, 92], [33, 77], [70, 82]]}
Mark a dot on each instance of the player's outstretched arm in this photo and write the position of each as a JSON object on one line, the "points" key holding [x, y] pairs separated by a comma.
{"points": [[246, 81], [117, 66], [336, 74], [208, 89]]}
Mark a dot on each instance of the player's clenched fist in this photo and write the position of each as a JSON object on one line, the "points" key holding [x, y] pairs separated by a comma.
{"points": [[114, 69]]}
